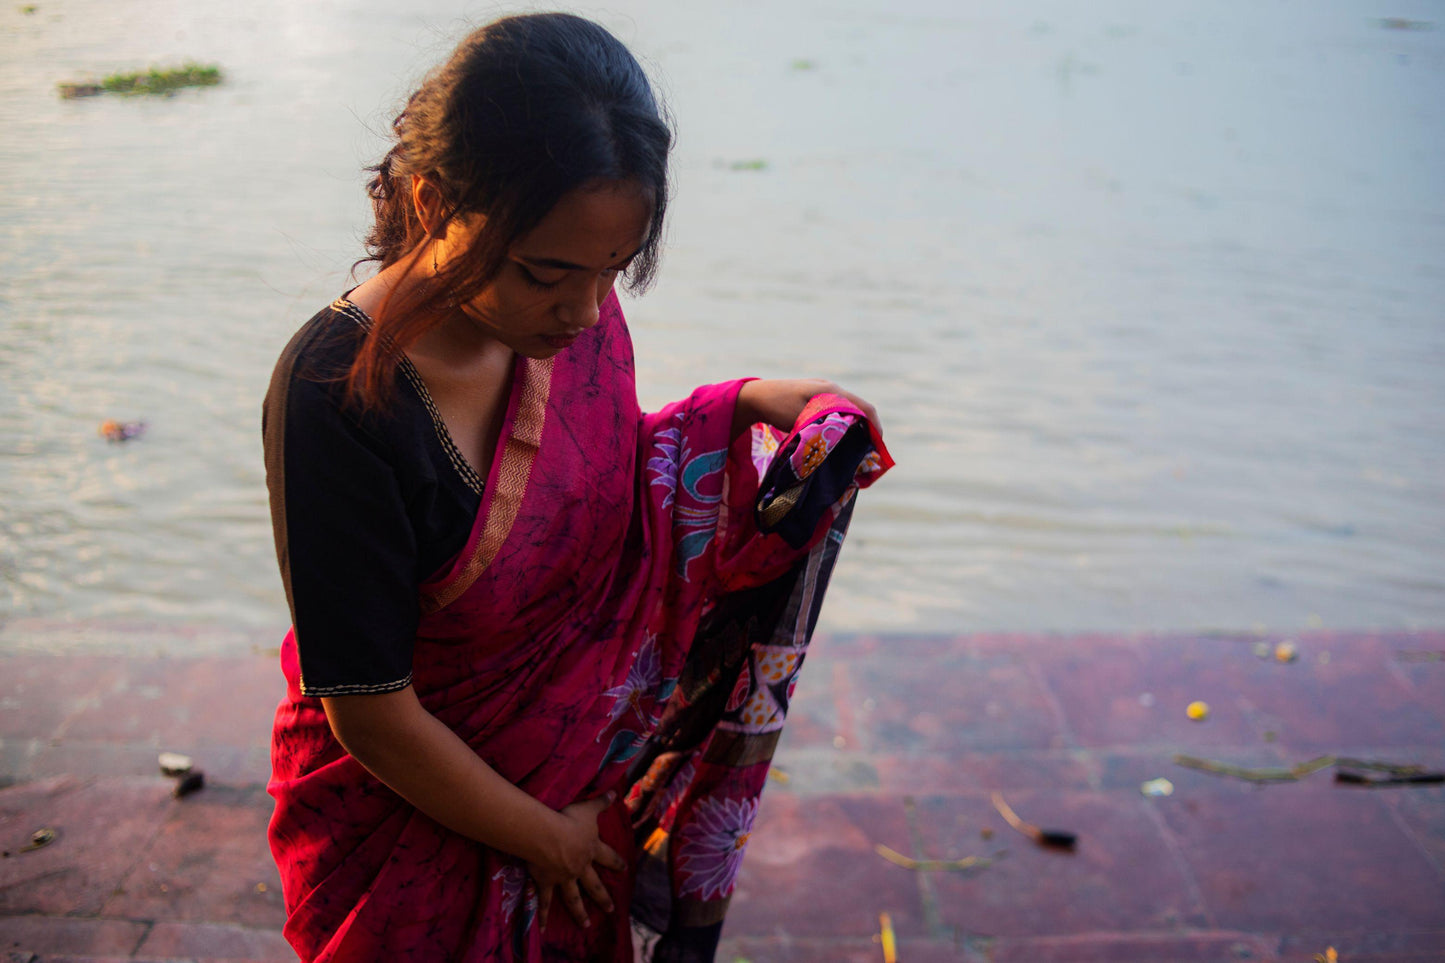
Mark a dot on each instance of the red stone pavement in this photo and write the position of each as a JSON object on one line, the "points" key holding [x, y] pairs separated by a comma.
{"points": [[894, 740]]}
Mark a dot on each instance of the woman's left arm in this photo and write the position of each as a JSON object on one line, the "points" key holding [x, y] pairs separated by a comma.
{"points": [[778, 402]]}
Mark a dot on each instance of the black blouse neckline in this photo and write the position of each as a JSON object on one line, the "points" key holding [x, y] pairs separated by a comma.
{"points": [[469, 475]]}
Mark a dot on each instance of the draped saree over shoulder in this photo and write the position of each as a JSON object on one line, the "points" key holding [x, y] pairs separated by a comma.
{"points": [[630, 613]]}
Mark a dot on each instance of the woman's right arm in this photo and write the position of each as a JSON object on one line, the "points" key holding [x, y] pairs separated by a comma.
{"points": [[779, 402], [428, 765]]}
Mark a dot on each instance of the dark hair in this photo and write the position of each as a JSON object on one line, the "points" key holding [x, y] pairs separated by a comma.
{"points": [[527, 109]]}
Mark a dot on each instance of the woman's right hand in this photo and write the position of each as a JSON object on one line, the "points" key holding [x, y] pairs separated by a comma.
{"points": [[571, 867]]}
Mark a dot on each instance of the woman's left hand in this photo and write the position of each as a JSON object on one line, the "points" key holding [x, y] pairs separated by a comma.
{"points": [[778, 402]]}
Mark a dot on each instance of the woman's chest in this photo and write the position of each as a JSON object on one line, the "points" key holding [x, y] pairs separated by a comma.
{"points": [[468, 404]]}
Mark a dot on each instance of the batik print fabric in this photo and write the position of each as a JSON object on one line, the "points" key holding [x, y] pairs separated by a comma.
{"points": [[616, 622], [694, 793]]}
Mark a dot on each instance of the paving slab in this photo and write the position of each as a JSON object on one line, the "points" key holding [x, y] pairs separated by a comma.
{"points": [[793, 950], [1306, 857], [811, 870], [62, 935], [1373, 947], [1068, 891], [1135, 948], [1116, 693], [205, 865], [50, 958], [1420, 814], [182, 703], [970, 703], [40, 692], [963, 772], [214, 942], [102, 827]]}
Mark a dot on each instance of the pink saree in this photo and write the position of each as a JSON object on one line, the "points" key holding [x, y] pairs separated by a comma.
{"points": [[630, 613]]}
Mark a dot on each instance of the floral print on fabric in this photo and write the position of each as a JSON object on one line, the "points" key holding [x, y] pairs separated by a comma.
{"points": [[713, 845], [764, 446], [637, 702], [662, 466], [644, 685], [794, 495], [814, 442], [517, 891], [696, 522], [672, 468], [513, 880]]}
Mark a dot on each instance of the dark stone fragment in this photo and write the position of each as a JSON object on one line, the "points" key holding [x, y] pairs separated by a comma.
{"points": [[193, 781]]}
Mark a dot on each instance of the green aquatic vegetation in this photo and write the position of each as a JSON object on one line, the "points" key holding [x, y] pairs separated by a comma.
{"points": [[156, 81]]}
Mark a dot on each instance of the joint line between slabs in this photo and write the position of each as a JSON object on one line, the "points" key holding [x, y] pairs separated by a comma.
{"points": [[1181, 861], [1056, 708], [931, 918], [1394, 810], [145, 935]]}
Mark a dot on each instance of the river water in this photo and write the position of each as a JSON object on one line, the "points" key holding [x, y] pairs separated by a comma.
{"points": [[1151, 296]]}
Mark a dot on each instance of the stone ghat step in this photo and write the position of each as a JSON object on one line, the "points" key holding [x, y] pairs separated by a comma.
{"points": [[895, 741]]}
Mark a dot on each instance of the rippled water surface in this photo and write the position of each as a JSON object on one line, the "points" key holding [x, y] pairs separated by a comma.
{"points": [[1152, 297]]}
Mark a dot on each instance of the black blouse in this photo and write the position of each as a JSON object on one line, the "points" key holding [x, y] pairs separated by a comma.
{"points": [[365, 507]]}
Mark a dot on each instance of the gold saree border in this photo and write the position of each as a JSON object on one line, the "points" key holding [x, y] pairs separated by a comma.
{"points": [[509, 485]]}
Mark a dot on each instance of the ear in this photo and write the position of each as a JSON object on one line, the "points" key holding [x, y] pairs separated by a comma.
{"points": [[427, 201]]}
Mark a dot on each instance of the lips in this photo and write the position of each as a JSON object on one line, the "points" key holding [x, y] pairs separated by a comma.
{"points": [[559, 341]]}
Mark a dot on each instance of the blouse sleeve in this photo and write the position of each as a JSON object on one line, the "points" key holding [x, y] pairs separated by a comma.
{"points": [[344, 541]]}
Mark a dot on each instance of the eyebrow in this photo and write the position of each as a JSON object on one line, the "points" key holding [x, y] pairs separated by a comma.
{"points": [[560, 265]]}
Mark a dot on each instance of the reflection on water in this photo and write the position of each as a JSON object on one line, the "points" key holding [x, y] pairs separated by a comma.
{"points": [[1150, 299]]}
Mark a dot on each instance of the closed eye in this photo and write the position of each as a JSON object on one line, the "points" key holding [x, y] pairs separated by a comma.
{"points": [[533, 281], [529, 276]]}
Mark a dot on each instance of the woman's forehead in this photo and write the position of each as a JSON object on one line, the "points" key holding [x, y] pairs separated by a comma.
{"points": [[592, 226]]}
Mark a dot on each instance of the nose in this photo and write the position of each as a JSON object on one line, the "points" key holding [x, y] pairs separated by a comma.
{"points": [[582, 308]]}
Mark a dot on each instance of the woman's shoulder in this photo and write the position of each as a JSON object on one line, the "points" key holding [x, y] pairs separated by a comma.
{"points": [[308, 384], [323, 349]]}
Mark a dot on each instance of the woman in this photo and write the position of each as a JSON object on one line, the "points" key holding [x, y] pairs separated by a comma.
{"points": [[542, 644]]}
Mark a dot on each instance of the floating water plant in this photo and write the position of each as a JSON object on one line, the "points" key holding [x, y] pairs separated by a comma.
{"points": [[153, 81]]}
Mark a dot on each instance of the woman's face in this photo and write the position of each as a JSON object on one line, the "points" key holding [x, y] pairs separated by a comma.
{"points": [[556, 277]]}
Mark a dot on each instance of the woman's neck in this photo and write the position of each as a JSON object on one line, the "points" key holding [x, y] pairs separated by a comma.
{"points": [[455, 342], [372, 294]]}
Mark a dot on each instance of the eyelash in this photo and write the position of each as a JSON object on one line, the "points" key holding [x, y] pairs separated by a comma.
{"points": [[532, 281]]}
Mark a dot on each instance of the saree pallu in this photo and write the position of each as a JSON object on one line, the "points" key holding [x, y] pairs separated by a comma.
{"points": [[629, 614]]}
